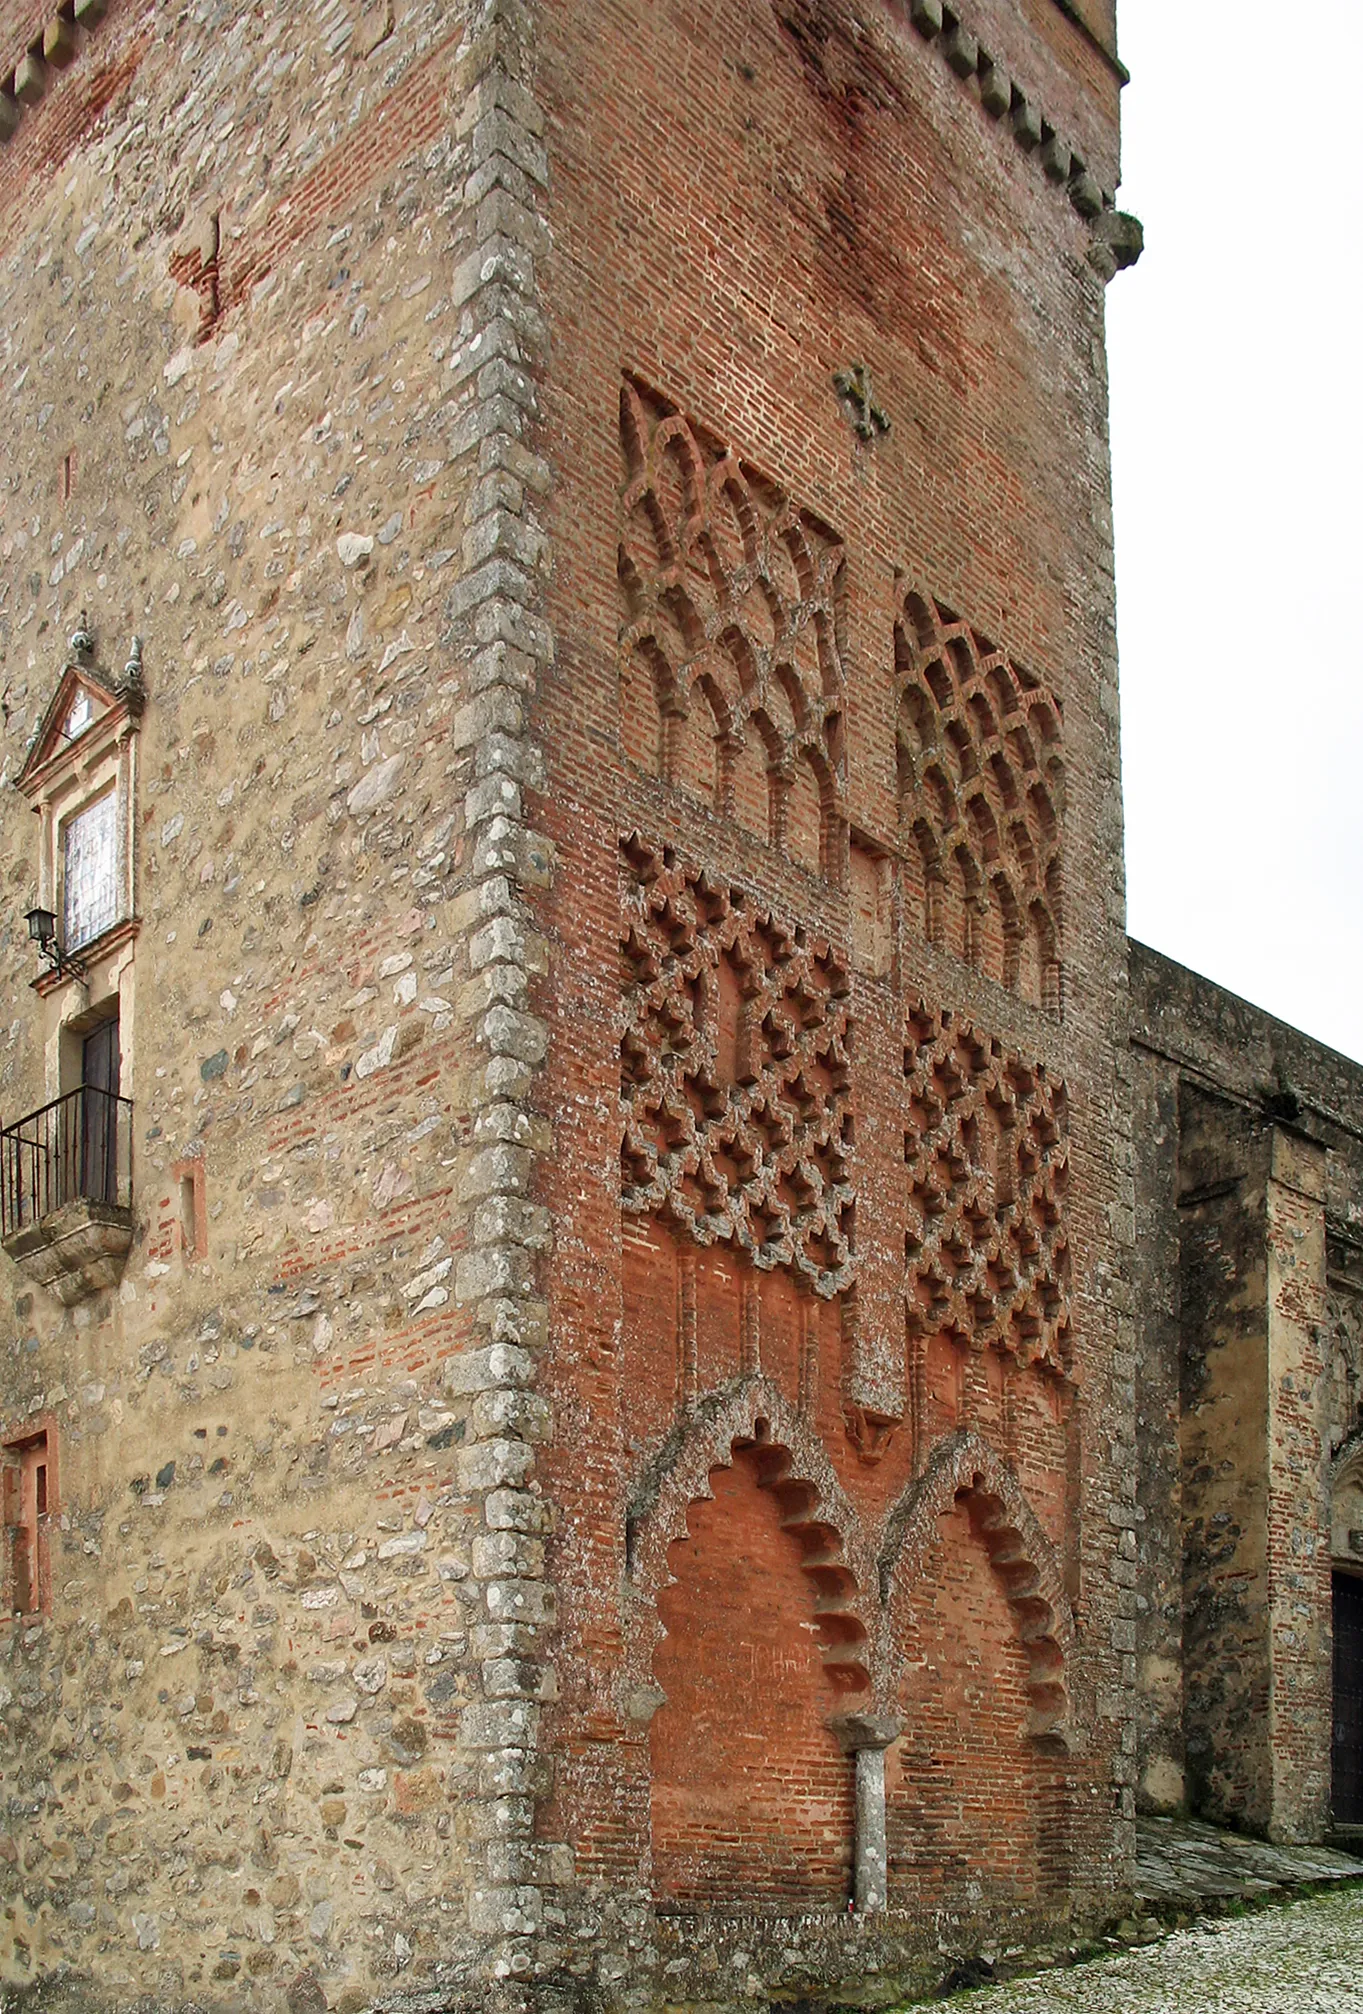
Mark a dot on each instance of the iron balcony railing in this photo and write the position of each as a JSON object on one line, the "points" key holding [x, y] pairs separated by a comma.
{"points": [[79, 1146]]}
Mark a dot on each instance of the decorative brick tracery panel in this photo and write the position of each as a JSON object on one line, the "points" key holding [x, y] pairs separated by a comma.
{"points": [[734, 1072], [982, 797], [986, 1161], [731, 679]]}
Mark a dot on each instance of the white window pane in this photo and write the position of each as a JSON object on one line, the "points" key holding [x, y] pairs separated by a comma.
{"points": [[90, 871]]}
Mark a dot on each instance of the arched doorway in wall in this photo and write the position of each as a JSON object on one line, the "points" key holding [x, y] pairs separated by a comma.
{"points": [[1346, 1718], [962, 1796], [752, 1795], [976, 1813], [1346, 1745]]}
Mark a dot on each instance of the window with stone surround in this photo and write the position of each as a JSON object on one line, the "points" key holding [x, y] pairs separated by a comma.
{"points": [[89, 871], [80, 776], [66, 1173]]}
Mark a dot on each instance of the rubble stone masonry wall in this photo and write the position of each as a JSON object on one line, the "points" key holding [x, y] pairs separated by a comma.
{"points": [[267, 286], [1250, 1291]]}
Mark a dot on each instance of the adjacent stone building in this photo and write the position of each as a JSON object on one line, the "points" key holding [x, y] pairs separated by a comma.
{"points": [[1249, 1278], [574, 1337]]}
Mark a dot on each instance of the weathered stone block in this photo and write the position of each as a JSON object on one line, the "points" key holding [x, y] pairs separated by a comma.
{"points": [[518, 1678], [516, 1773], [502, 1169], [60, 42], [1025, 123], [494, 1269], [499, 1366], [30, 79], [503, 940], [510, 1219], [496, 709], [511, 1552], [495, 1464], [507, 1033], [516, 1510], [1118, 240], [500, 1817], [498, 1724], [961, 49], [497, 133], [1056, 158], [1085, 194], [996, 90], [528, 1601], [506, 1912], [508, 1411]]}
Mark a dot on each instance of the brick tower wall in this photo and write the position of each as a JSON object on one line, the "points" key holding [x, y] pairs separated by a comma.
{"points": [[840, 1160]]}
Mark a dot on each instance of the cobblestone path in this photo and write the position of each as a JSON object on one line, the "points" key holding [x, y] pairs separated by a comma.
{"points": [[1299, 1958]]}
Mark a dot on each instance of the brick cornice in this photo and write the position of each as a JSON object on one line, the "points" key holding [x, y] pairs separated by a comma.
{"points": [[1095, 41], [1116, 239]]}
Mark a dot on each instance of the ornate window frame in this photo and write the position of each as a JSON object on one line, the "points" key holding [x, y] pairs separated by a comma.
{"points": [[64, 774]]}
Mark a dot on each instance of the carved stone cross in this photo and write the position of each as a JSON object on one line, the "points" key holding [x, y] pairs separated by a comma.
{"points": [[853, 387]]}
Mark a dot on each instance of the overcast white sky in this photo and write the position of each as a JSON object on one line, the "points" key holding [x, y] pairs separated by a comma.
{"points": [[1237, 441]]}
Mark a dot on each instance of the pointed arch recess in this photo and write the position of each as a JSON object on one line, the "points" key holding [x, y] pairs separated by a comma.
{"points": [[1345, 1472], [1019, 1551], [1346, 1464], [753, 1414]]}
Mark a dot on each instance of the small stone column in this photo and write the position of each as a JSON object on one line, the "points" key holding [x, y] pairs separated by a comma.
{"points": [[866, 1736]]}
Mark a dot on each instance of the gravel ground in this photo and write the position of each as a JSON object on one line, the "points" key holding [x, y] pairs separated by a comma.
{"points": [[1299, 1958]]}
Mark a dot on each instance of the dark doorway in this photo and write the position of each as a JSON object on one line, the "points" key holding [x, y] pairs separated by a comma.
{"points": [[1347, 1798], [100, 1064]]}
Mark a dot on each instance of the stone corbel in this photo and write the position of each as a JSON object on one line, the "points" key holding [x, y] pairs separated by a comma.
{"points": [[1117, 242]]}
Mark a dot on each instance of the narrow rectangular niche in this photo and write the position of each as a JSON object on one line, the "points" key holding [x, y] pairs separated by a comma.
{"points": [[871, 896], [191, 1229], [30, 1499]]}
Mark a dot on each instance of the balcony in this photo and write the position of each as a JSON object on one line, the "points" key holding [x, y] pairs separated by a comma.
{"points": [[66, 1215]]}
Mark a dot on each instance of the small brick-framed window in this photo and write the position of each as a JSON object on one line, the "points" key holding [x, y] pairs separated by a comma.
{"points": [[30, 1504]]}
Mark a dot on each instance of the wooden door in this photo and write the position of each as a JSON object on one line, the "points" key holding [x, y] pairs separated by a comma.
{"points": [[1347, 1799], [100, 1065]]}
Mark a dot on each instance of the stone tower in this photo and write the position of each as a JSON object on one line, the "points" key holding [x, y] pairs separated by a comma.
{"points": [[567, 1396]]}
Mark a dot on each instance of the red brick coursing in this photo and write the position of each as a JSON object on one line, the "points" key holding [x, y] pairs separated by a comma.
{"points": [[736, 1347]]}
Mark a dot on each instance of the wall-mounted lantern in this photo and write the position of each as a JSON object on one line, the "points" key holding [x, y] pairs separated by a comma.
{"points": [[42, 928]]}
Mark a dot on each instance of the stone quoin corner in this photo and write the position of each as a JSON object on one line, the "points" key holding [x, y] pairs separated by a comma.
{"points": [[644, 1364]]}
